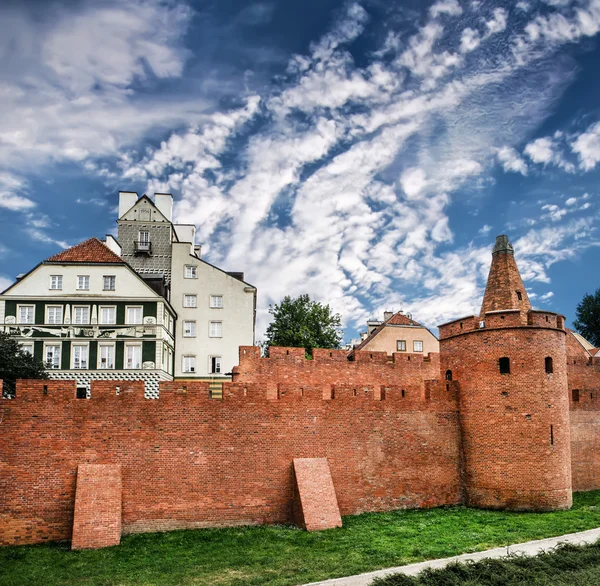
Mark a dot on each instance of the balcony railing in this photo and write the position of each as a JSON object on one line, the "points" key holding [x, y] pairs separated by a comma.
{"points": [[143, 247]]}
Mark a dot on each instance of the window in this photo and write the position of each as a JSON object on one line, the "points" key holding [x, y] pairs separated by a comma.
{"points": [[26, 313], [52, 356], [81, 393], [448, 375], [401, 345], [417, 346], [189, 364], [190, 301], [109, 282], [548, 365], [55, 281], [216, 301], [189, 329], [216, 329], [133, 356], [575, 394], [504, 365], [108, 315], [191, 272], [81, 314], [144, 237], [83, 282], [80, 356], [27, 348], [54, 314], [133, 315], [106, 356], [519, 296], [215, 364]]}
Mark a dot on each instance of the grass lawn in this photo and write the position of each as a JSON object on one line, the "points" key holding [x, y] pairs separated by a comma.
{"points": [[566, 566], [286, 556]]}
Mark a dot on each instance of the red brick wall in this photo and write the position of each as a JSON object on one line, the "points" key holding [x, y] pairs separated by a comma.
{"points": [[506, 419], [584, 379], [191, 461]]}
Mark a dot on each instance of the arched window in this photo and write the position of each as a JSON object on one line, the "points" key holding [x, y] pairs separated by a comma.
{"points": [[548, 364], [448, 375], [504, 365]]}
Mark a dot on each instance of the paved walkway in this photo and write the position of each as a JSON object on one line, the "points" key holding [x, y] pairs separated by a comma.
{"points": [[529, 548]]}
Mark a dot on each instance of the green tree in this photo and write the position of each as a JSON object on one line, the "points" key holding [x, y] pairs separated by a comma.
{"points": [[14, 364], [303, 323], [588, 318]]}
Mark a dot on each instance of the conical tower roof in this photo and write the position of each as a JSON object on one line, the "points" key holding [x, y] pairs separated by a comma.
{"points": [[505, 289]]}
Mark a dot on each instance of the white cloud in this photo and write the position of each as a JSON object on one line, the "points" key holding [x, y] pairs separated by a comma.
{"points": [[497, 23], [511, 161], [587, 147], [5, 282], [11, 189], [485, 229], [571, 201], [546, 296], [451, 7], [469, 40], [545, 151]]}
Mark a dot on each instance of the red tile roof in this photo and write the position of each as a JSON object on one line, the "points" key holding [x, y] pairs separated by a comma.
{"points": [[89, 251], [398, 319]]}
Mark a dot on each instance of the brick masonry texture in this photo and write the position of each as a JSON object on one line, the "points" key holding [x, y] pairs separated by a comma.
{"points": [[315, 502], [97, 520]]}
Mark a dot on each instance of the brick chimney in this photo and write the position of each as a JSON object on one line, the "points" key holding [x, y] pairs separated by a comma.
{"points": [[504, 289]]}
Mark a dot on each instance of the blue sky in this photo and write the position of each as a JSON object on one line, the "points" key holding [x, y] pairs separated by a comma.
{"points": [[366, 152]]}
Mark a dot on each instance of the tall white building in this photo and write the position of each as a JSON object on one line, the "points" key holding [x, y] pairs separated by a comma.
{"points": [[216, 309]]}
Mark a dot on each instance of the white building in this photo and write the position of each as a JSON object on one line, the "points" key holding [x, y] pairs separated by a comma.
{"points": [[216, 309], [88, 315]]}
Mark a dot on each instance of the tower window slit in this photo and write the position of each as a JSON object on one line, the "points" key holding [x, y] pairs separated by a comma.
{"points": [[504, 365], [548, 365]]}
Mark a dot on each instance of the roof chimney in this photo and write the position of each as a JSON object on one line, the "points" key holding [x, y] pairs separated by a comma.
{"points": [[164, 203], [127, 200], [387, 315], [504, 289]]}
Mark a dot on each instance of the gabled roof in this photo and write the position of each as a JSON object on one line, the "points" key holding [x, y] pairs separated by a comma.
{"points": [[398, 319], [89, 251]]}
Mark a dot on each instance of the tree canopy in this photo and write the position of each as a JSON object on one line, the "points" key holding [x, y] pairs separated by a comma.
{"points": [[303, 323], [15, 363], [587, 321]]}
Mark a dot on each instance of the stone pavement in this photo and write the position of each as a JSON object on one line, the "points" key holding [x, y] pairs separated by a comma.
{"points": [[530, 548]]}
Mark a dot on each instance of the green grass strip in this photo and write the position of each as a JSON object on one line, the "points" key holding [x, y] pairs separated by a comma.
{"points": [[285, 556]]}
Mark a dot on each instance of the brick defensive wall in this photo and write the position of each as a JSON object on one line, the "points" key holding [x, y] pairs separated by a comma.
{"points": [[191, 461]]}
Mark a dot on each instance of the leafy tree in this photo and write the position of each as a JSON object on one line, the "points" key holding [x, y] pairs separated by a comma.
{"points": [[15, 363], [588, 318], [303, 323]]}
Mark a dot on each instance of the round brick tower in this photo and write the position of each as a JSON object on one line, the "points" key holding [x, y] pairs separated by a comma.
{"points": [[511, 369]]}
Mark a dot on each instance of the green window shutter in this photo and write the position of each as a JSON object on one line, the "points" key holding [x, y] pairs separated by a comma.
{"points": [[38, 350], [119, 355], [65, 355], [93, 358], [148, 351]]}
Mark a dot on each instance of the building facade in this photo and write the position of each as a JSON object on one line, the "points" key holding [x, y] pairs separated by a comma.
{"points": [[398, 332], [89, 316], [216, 309]]}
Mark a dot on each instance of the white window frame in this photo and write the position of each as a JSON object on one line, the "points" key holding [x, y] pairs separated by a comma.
{"points": [[190, 368], [415, 342], [59, 356], [101, 320], [219, 367], [398, 349], [191, 272], [58, 282], [109, 366], [214, 303], [114, 282], [210, 329], [192, 333], [74, 313], [132, 323], [24, 306], [54, 321], [125, 357], [27, 347], [85, 282], [87, 356], [191, 296]]}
